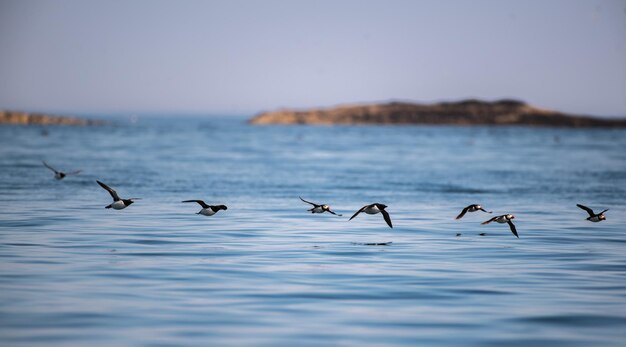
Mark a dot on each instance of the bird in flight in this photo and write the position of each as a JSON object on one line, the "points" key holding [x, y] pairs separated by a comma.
{"points": [[505, 218], [374, 209], [593, 217], [471, 208], [118, 203], [60, 174], [319, 208], [208, 210]]}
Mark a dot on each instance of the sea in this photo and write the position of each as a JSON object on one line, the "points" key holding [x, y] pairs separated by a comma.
{"points": [[266, 272]]}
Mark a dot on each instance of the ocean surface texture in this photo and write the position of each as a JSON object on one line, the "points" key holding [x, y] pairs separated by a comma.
{"points": [[266, 272]]}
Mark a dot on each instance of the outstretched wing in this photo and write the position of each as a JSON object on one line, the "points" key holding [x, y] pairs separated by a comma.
{"points": [[111, 191], [334, 213], [482, 209], [76, 172], [603, 211], [199, 202], [357, 212], [489, 221], [590, 211], [308, 202], [49, 167], [387, 218], [462, 213], [513, 230]]}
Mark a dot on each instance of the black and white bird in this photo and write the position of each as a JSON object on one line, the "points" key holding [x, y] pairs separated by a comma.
{"points": [[60, 174], [471, 208], [374, 209], [319, 208], [118, 203], [505, 218], [208, 210], [593, 217]]}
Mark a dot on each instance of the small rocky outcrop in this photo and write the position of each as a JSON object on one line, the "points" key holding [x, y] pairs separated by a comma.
{"points": [[27, 118], [466, 112]]}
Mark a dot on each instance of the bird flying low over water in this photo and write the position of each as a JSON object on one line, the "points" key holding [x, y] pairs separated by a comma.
{"points": [[593, 217], [374, 209], [208, 210], [118, 203], [60, 174], [471, 208], [319, 208], [505, 218]]}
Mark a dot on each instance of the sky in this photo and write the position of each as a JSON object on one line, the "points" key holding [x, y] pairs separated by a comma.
{"points": [[243, 57]]}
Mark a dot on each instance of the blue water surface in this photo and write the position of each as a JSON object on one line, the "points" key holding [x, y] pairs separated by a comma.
{"points": [[268, 273]]}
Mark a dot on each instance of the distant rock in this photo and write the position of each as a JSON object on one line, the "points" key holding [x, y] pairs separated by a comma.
{"points": [[466, 112], [26, 118]]}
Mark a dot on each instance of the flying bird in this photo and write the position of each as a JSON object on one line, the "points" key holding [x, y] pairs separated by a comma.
{"points": [[118, 203], [471, 208], [374, 209], [593, 217], [505, 218], [319, 208], [60, 174], [208, 210]]}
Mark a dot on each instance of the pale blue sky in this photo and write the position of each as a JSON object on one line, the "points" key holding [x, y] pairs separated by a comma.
{"points": [[241, 57]]}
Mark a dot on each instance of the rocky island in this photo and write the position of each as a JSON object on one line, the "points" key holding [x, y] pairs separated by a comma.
{"points": [[27, 118], [466, 112]]}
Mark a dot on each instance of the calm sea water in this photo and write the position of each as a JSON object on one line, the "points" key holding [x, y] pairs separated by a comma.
{"points": [[267, 273]]}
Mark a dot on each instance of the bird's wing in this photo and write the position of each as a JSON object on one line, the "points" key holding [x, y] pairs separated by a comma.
{"points": [[513, 230], [334, 213], [482, 209], [387, 218], [49, 167], [199, 202], [308, 202], [603, 211], [489, 221], [357, 212], [111, 191], [76, 172], [462, 213], [590, 211]]}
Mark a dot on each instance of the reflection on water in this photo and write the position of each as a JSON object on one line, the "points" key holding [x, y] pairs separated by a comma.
{"points": [[267, 272]]}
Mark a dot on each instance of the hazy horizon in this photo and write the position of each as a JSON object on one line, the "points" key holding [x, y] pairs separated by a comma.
{"points": [[241, 58]]}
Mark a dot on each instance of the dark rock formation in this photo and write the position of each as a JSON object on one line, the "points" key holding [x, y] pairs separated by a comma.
{"points": [[26, 118], [466, 112]]}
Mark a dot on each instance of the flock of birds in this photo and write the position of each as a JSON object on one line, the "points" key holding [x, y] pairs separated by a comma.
{"points": [[375, 208]]}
